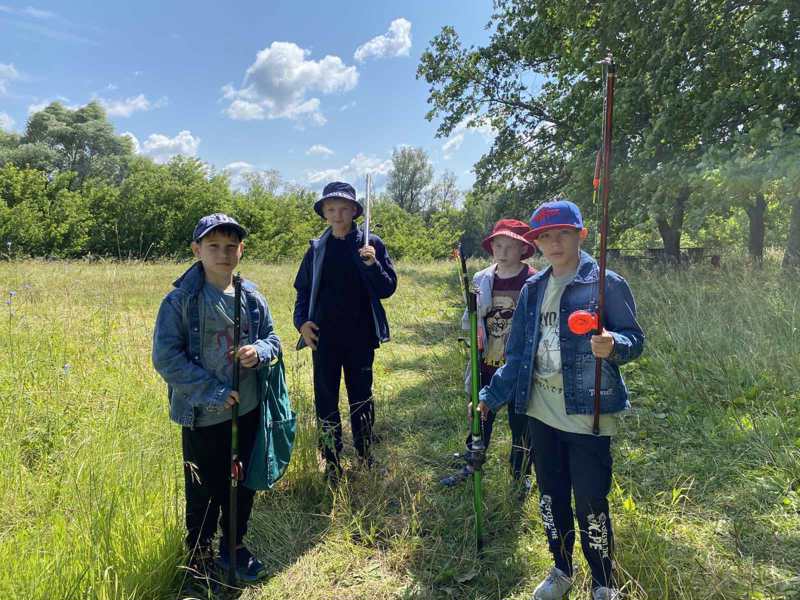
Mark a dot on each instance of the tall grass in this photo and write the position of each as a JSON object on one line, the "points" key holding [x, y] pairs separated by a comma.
{"points": [[706, 498]]}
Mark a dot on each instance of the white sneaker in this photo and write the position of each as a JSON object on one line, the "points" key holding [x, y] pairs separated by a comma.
{"points": [[554, 587], [606, 593]]}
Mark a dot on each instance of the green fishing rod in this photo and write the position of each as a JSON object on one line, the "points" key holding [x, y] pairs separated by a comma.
{"points": [[476, 452], [237, 469]]}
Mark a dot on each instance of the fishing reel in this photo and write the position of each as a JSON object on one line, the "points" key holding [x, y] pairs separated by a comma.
{"points": [[476, 453], [582, 322]]}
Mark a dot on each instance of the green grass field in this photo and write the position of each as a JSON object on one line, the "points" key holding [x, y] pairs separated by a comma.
{"points": [[706, 497]]}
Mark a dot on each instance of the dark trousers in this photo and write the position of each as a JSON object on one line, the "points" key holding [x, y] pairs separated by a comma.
{"points": [[519, 457], [356, 362], [207, 473], [573, 463]]}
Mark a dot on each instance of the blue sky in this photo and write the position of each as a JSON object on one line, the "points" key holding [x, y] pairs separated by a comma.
{"points": [[316, 90]]}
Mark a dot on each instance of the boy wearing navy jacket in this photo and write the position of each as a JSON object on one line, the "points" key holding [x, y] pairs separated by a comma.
{"points": [[549, 375], [338, 313]]}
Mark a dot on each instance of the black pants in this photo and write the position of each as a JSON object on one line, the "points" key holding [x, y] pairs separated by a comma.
{"points": [[329, 361], [519, 457], [206, 470], [568, 463]]}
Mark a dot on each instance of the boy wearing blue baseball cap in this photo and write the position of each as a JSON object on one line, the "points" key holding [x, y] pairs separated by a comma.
{"points": [[192, 351], [338, 312], [549, 375]]}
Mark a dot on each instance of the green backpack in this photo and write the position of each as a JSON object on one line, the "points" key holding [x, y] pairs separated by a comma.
{"points": [[272, 449]]}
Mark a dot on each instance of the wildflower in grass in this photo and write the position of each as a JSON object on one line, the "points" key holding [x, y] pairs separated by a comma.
{"points": [[66, 368]]}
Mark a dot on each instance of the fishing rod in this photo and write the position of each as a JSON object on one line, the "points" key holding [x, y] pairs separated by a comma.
{"points": [[367, 209], [476, 451], [237, 470], [582, 322]]}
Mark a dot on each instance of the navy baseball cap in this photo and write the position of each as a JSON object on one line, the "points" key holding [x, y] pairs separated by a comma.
{"points": [[342, 191], [210, 222], [556, 214]]}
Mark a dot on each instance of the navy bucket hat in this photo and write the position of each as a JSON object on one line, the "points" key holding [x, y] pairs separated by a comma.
{"points": [[342, 191]]}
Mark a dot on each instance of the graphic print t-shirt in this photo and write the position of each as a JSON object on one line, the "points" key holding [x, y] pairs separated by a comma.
{"points": [[505, 293], [547, 392], [216, 314]]}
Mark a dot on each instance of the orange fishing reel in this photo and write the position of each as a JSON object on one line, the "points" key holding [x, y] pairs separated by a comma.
{"points": [[582, 322]]}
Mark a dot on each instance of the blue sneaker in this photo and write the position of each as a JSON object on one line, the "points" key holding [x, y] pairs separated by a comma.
{"points": [[248, 568]]}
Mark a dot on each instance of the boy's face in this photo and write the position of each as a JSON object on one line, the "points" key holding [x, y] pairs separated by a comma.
{"points": [[561, 247], [507, 251], [338, 213], [219, 252]]}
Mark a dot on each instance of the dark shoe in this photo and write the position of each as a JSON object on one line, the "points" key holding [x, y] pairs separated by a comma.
{"points": [[457, 460], [248, 568], [457, 477], [523, 486], [366, 462], [201, 579]]}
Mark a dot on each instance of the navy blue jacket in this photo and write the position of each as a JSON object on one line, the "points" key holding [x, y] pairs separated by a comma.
{"points": [[380, 280]]}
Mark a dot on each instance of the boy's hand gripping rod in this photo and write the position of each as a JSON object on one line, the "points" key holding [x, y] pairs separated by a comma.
{"points": [[237, 470], [583, 322], [476, 453]]}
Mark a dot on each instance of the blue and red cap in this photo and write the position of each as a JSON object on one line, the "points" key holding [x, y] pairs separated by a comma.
{"points": [[556, 214]]}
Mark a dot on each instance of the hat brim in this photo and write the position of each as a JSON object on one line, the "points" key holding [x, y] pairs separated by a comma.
{"points": [[241, 230], [537, 230], [318, 205], [529, 247]]}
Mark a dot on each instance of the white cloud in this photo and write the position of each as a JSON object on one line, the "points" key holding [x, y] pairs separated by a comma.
{"points": [[395, 42], [38, 13], [452, 145], [128, 106], [8, 72], [278, 83], [136, 146], [39, 106], [358, 167], [348, 106], [459, 132], [319, 150], [162, 148], [237, 172], [6, 122]]}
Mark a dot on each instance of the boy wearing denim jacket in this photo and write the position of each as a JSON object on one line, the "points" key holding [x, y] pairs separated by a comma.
{"points": [[498, 288], [338, 312], [549, 375], [192, 351]]}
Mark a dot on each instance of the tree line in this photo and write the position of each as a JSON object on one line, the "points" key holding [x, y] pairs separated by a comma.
{"points": [[71, 187]]}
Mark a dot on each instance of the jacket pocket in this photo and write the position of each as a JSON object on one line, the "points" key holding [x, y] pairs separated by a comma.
{"points": [[612, 393]]}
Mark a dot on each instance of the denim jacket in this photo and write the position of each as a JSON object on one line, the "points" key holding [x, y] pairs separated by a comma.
{"points": [[178, 342], [379, 278], [512, 382]]}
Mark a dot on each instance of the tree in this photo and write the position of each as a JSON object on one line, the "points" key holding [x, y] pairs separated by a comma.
{"points": [[411, 173], [443, 194], [691, 76], [81, 140]]}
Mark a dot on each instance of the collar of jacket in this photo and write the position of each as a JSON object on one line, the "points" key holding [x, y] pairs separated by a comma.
{"points": [[194, 278], [355, 233], [588, 271]]}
